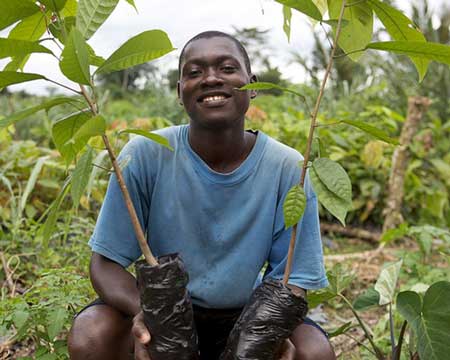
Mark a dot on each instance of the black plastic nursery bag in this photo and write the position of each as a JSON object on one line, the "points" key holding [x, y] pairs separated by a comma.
{"points": [[270, 317], [167, 309]]}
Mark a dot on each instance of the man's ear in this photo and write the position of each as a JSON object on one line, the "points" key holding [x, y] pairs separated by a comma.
{"points": [[253, 93], [179, 93]]}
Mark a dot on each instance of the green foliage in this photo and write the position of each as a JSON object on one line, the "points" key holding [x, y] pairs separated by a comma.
{"points": [[152, 136], [372, 130], [92, 14], [15, 10], [11, 77], [367, 300], [144, 47], [429, 318], [294, 206], [15, 47], [80, 176], [306, 7], [387, 282], [75, 59]]}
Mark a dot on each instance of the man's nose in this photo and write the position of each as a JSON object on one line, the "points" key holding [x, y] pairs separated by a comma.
{"points": [[212, 78]]}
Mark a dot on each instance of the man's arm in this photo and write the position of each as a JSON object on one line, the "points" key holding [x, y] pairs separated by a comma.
{"points": [[115, 285]]}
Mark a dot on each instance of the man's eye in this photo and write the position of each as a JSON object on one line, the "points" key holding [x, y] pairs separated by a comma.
{"points": [[193, 73], [228, 68]]}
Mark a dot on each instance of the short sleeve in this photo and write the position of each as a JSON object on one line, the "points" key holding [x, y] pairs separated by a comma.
{"points": [[308, 270], [114, 235]]}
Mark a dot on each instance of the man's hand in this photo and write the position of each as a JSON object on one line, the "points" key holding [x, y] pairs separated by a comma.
{"points": [[288, 351], [141, 336]]}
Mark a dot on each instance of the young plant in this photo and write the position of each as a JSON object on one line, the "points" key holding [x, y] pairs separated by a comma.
{"points": [[352, 23], [69, 24]]}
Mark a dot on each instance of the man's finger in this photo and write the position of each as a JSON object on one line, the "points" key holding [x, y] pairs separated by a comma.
{"points": [[139, 330]]}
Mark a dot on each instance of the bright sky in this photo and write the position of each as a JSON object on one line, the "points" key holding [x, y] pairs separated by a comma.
{"points": [[181, 20]]}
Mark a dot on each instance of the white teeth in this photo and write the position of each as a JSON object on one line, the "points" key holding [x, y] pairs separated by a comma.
{"points": [[213, 98]]}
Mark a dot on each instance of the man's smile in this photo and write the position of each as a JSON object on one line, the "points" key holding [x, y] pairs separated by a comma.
{"points": [[213, 98]]}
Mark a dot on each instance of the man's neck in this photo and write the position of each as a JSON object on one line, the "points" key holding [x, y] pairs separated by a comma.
{"points": [[223, 151]]}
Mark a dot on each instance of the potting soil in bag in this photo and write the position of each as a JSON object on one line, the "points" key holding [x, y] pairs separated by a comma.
{"points": [[270, 317], [167, 309]]}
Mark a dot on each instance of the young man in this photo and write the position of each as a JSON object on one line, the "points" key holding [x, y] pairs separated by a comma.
{"points": [[217, 201]]}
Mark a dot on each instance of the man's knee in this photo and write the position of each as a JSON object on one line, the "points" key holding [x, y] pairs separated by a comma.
{"points": [[311, 344], [98, 332]]}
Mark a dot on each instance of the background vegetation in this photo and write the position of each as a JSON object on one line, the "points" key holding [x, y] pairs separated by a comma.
{"points": [[44, 278]]}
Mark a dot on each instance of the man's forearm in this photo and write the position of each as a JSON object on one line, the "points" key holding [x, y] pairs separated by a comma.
{"points": [[115, 285]]}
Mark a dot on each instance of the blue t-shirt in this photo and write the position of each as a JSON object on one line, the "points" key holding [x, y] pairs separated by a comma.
{"points": [[224, 226]]}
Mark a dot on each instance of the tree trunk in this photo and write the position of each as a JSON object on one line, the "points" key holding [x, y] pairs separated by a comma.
{"points": [[417, 107]]}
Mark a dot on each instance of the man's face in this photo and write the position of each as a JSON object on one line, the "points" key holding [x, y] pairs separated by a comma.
{"points": [[211, 71]]}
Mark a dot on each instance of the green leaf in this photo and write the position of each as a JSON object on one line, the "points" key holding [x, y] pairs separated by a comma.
{"points": [[140, 49], [387, 282], [93, 58], [426, 50], [394, 234], [54, 5], [367, 300], [31, 28], [57, 29], [287, 16], [334, 177], [20, 318], [333, 203], [15, 47], [95, 126], [92, 14], [131, 2], [340, 330], [294, 206], [358, 31], [65, 129], [429, 319], [161, 140], [268, 86], [11, 77], [15, 10], [316, 298], [52, 216], [339, 279], [372, 130], [75, 59], [11, 119], [306, 7], [81, 174], [32, 182], [70, 10], [55, 322], [400, 27]]}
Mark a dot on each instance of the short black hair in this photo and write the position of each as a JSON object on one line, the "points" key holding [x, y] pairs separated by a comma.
{"points": [[211, 34]]}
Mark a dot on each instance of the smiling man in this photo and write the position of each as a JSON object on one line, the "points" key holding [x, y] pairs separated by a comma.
{"points": [[217, 201]]}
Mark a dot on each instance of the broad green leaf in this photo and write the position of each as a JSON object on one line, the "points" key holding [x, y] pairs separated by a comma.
{"points": [[339, 279], [358, 31], [426, 50], [11, 77], [70, 10], [32, 181], [92, 14], [54, 5], [340, 330], [334, 204], [372, 130], [93, 58], [387, 281], [429, 319], [395, 233], [334, 177], [20, 317], [321, 5], [161, 140], [31, 28], [95, 126], [140, 49], [52, 216], [57, 29], [15, 10], [316, 298], [287, 16], [65, 129], [75, 59], [294, 206], [306, 7], [81, 174], [11, 119], [443, 168], [367, 300], [15, 47], [55, 322], [400, 27], [268, 86]]}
